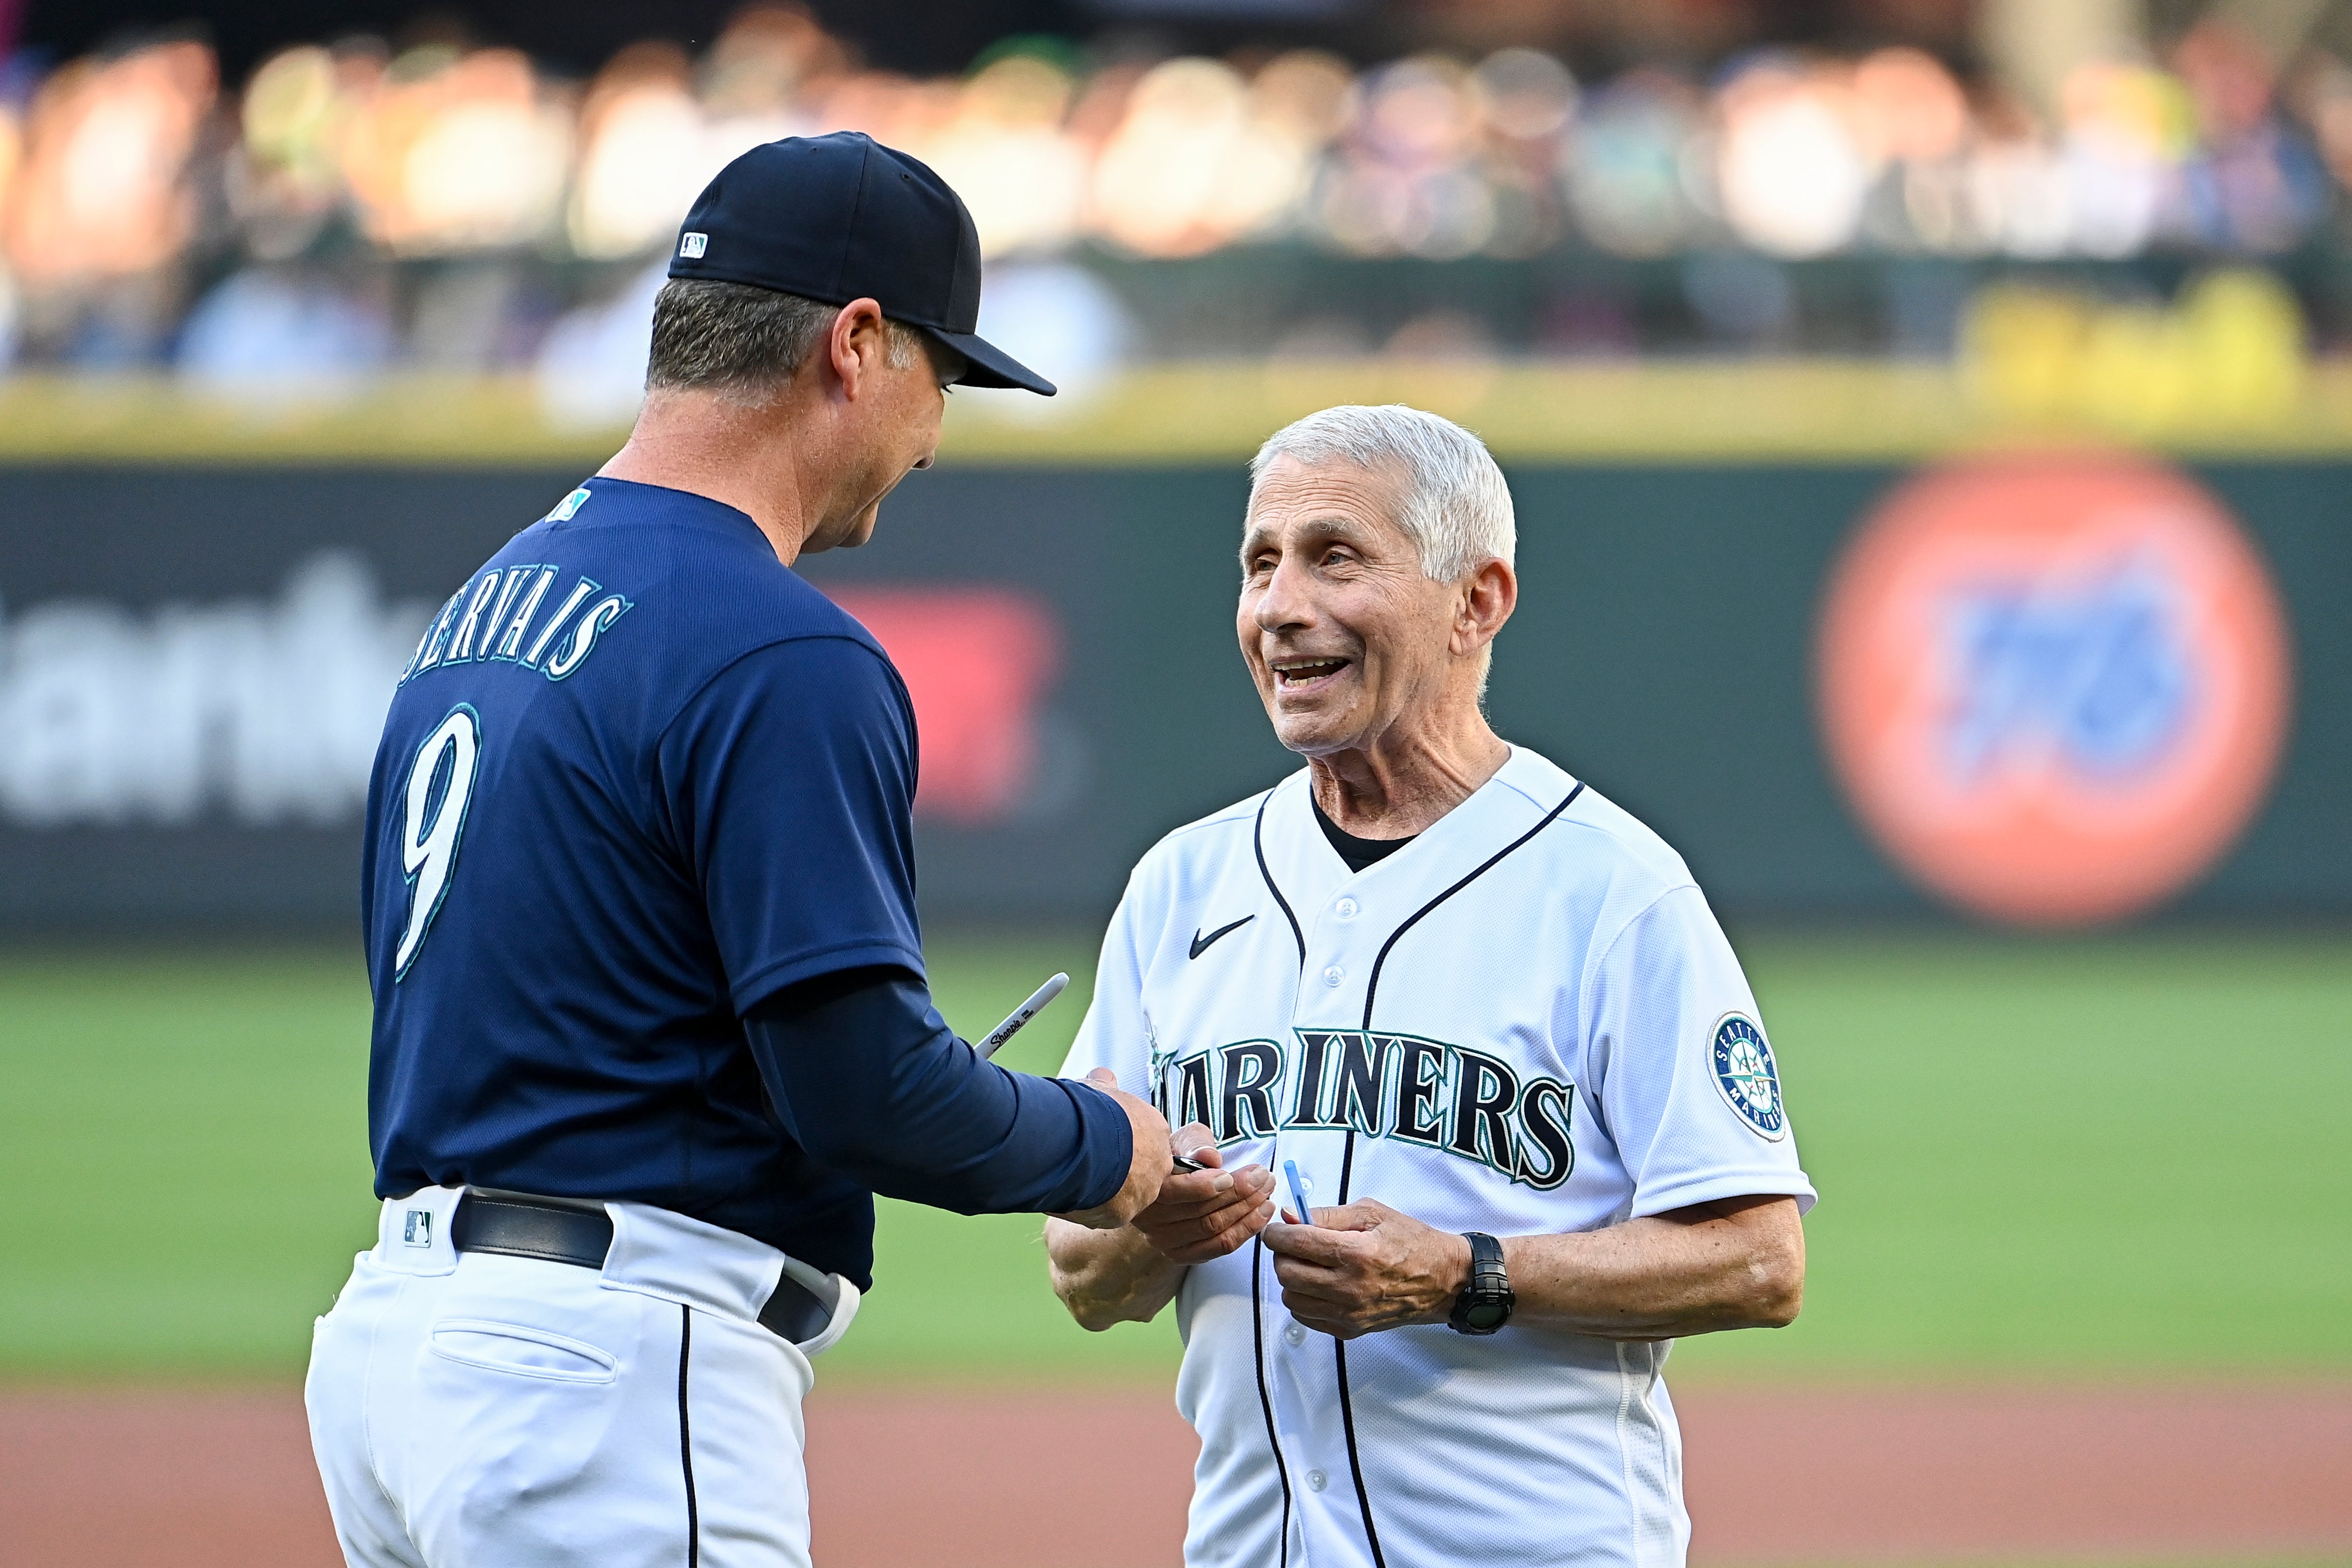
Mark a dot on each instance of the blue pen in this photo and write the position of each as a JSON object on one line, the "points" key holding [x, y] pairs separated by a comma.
{"points": [[1297, 1193]]}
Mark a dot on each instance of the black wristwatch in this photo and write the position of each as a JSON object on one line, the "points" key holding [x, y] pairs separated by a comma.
{"points": [[1485, 1304]]}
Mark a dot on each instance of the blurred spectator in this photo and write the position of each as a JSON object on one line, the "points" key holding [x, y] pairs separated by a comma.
{"points": [[12, 154], [2125, 132], [267, 334], [1061, 319], [2253, 183], [9, 313], [770, 60], [11, 158], [1629, 177], [1791, 168], [101, 192], [1528, 98], [1407, 179], [1006, 154], [478, 314], [1198, 161], [592, 368], [285, 178], [644, 152], [450, 152]]}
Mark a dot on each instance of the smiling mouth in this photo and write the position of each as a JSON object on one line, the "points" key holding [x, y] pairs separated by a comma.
{"points": [[1300, 674]]}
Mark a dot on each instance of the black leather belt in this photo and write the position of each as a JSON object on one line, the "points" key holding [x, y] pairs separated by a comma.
{"points": [[571, 1230]]}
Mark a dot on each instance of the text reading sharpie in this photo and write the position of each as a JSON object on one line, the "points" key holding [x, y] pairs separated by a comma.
{"points": [[994, 1041]]}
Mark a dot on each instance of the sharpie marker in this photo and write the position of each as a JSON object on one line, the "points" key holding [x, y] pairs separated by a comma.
{"points": [[1298, 1192], [994, 1041]]}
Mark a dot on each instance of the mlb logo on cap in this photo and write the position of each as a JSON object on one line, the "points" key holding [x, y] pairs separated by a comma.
{"points": [[692, 246]]}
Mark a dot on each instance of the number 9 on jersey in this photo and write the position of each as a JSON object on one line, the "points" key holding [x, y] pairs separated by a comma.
{"points": [[440, 787]]}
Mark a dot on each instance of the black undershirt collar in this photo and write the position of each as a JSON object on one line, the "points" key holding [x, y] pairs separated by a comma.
{"points": [[1357, 852]]}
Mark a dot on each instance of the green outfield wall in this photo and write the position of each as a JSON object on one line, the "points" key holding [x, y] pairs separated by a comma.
{"points": [[194, 658]]}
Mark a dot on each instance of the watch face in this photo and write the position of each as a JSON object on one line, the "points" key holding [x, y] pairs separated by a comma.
{"points": [[1487, 1314]]}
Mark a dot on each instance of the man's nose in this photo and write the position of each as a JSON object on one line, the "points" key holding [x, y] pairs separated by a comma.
{"points": [[1286, 602]]}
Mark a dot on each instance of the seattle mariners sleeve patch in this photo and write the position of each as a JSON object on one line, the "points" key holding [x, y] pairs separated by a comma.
{"points": [[1744, 1072]]}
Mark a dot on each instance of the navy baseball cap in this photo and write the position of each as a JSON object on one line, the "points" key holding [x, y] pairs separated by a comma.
{"points": [[842, 218]]}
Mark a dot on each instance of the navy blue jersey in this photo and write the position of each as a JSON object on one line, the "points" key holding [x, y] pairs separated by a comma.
{"points": [[638, 777]]}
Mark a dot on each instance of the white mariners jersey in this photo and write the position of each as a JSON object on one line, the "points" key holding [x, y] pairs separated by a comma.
{"points": [[1525, 1021]]}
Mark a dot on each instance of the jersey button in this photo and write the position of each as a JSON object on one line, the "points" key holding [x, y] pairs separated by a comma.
{"points": [[1294, 1334], [1334, 974], [1346, 908], [1315, 1479]]}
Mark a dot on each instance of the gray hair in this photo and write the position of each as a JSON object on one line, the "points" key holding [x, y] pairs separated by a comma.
{"points": [[1456, 508], [743, 342]]}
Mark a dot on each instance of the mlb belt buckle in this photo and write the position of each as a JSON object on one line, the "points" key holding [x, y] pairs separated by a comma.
{"points": [[579, 1232]]}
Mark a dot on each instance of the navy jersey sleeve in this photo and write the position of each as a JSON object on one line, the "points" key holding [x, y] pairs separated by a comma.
{"points": [[788, 780], [868, 1078]]}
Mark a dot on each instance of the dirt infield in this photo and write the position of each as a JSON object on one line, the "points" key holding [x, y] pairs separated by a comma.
{"points": [[1098, 1478]]}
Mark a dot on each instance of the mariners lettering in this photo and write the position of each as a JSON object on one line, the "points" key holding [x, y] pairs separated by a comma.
{"points": [[495, 619], [1249, 1073], [1441, 1097]]}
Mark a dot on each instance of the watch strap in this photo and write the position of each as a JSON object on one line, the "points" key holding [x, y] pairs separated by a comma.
{"points": [[1486, 1303]]}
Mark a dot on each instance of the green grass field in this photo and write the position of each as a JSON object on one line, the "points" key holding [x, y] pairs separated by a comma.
{"points": [[2113, 1158]]}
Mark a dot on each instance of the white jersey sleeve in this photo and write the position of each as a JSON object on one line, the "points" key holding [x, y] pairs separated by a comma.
{"points": [[1681, 1076], [1115, 1033]]}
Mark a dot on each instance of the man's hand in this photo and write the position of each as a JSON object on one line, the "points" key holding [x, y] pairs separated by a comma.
{"points": [[1146, 1171], [1128, 1273], [1365, 1267], [1203, 1214]]}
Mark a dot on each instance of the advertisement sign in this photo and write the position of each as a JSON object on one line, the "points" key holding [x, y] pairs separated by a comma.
{"points": [[2056, 690], [260, 709], [978, 662]]}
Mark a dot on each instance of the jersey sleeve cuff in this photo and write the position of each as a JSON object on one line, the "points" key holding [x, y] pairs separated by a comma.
{"points": [[1109, 1144], [766, 981], [1716, 1186]]}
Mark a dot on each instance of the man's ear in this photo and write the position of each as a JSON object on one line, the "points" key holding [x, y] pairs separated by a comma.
{"points": [[857, 344], [1488, 596]]}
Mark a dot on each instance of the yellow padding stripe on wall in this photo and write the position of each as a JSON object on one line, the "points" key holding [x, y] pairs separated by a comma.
{"points": [[1771, 410]]}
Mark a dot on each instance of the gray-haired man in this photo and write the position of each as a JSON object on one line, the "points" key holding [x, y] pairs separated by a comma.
{"points": [[1490, 1023]]}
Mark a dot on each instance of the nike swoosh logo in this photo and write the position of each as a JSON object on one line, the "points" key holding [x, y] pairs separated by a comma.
{"points": [[1201, 944]]}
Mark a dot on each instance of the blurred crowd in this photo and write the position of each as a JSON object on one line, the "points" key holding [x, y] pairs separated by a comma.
{"points": [[350, 206]]}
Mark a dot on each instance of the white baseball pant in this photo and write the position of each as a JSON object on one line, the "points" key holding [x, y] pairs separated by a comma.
{"points": [[480, 1409]]}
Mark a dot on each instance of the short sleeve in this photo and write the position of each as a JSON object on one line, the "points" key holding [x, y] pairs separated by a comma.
{"points": [[1114, 1033], [789, 785], [1686, 1083]]}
